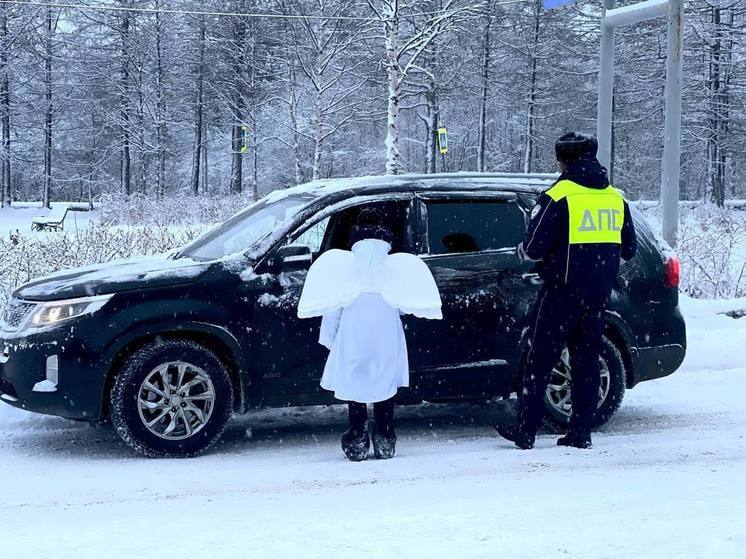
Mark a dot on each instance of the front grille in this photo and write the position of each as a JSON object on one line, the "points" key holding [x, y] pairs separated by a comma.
{"points": [[15, 313]]}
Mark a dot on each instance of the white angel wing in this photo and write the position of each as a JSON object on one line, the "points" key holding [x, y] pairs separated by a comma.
{"points": [[332, 282], [408, 285]]}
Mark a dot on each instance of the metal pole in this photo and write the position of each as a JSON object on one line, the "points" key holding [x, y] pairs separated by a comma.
{"points": [[672, 144], [605, 89]]}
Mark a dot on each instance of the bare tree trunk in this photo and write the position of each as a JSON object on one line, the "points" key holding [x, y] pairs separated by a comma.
{"points": [[253, 120], [239, 69], [254, 157], [394, 80], [236, 185], [142, 170], [431, 121], [322, 39], [720, 55], [318, 134], [5, 189], [205, 170], [531, 117], [199, 108], [482, 143], [293, 108], [48, 116], [160, 177], [726, 95], [125, 117]]}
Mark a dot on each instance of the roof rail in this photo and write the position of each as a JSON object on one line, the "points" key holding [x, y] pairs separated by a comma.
{"points": [[474, 174]]}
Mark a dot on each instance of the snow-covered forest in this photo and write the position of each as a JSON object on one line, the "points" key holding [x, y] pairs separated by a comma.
{"points": [[133, 130], [162, 100]]}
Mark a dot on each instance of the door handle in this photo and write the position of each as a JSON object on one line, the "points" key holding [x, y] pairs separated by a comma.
{"points": [[533, 278]]}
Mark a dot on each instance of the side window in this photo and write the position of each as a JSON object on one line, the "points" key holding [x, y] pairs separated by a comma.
{"points": [[396, 215], [473, 225], [313, 237]]}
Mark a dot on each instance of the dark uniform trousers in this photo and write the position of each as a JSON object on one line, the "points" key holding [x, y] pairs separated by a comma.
{"points": [[563, 318]]}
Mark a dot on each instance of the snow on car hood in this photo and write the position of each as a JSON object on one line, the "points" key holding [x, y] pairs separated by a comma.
{"points": [[119, 275]]}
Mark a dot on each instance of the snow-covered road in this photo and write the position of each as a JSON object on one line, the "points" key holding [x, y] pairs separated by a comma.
{"points": [[666, 478]]}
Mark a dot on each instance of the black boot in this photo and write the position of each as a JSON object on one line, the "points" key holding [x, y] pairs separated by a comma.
{"points": [[384, 445], [576, 439], [355, 445], [515, 435]]}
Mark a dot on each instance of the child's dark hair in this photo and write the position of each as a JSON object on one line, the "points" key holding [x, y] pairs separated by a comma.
{"points": [[371, 224]]}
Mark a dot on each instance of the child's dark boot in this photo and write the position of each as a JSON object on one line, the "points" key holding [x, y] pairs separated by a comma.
{"points": [[384, 444], [355, 445]]}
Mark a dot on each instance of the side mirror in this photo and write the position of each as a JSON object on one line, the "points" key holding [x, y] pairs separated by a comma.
{"points": [[291, 257]]}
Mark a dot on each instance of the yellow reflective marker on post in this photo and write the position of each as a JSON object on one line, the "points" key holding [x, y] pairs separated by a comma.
{"points": [[442, 140], [244, 139]]}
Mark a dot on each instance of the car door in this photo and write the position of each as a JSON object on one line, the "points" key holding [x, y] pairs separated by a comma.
{"points": [[468, 242], [288, 352]]}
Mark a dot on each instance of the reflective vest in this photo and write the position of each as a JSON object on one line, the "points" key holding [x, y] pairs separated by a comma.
{"points": [[595, 215]]}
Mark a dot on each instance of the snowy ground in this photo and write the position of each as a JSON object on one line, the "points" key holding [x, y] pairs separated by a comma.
{"points": [[666, 478], [20, 218]]}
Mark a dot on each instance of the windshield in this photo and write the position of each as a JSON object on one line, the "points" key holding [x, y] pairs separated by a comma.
{"points": [[244, 229]]}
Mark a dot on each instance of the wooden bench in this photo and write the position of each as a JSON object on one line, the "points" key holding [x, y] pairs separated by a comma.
{"points": [[55, 221]]}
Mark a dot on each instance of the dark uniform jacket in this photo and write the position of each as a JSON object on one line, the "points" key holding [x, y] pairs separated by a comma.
{"points": [[579, 230]]}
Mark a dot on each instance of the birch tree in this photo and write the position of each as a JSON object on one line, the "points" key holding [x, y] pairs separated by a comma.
{"points": [[160, 113], [49, 29], [402, 56], [718, 86], [531, 102], [125, 93], [6, 44], [199, 109], [324, 47]]}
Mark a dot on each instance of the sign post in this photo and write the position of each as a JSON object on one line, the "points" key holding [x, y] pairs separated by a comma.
{"points": [[629, 15]]}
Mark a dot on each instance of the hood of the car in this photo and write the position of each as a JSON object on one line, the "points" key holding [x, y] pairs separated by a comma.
{"points": [[112, 277]]}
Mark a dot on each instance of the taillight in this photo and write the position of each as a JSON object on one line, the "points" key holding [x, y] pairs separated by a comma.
{"points": [[673, 272]]}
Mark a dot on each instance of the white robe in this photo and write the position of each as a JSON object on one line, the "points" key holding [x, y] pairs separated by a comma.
{"points": [[360, 295]]}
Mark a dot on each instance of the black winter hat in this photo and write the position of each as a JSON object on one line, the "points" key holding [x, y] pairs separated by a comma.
{"points": [[371, 224], [575, 145]]}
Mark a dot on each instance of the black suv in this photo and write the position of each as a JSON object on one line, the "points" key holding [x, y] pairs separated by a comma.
{"points": [[167, 348]]}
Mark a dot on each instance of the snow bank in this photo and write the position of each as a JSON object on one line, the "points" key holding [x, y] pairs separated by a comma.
{"points": [[11, 417], [715, 341]]}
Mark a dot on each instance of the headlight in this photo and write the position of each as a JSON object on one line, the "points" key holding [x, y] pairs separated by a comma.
{"points": [[53, 312]]}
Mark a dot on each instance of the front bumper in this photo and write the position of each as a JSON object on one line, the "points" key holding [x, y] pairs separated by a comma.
{"points": [[23, 365]]}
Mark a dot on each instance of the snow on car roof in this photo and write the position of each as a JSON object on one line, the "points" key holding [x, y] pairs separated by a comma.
{"points": [[535, 182]]}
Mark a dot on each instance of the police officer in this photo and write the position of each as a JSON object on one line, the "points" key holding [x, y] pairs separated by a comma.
{"points": [[579, 230]]}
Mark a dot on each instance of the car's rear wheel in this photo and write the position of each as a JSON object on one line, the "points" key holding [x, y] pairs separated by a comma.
{"points": [[172, 398], [558, 396]]}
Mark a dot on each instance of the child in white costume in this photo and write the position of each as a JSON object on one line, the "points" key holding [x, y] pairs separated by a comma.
{"points": [[360, 295]]}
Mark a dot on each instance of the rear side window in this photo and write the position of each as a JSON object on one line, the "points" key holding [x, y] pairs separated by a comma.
{"points": [[473, 225]]}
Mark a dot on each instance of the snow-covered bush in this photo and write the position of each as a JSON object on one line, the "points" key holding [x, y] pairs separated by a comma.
{"points": [[136, 209], [24, 258], [712, 250]]}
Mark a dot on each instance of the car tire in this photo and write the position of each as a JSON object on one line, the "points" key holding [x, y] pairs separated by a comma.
{"points": [[171, 399], [558, 421]]}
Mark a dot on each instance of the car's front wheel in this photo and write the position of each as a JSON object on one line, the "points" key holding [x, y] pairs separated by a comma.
{"points": [[558, 396], [171, 398]]}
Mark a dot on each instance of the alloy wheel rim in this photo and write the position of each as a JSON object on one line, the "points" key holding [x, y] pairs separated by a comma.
{"points": [[559, 392], [176, 400]]}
